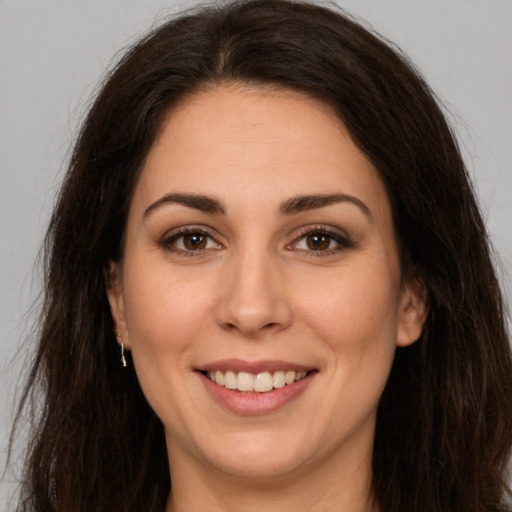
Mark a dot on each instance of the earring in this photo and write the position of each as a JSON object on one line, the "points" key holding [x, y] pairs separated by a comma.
{"points": [[123, 359]]}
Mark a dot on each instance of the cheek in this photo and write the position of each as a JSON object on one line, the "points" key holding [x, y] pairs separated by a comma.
{"points": [[355, 315], [355, 321], [166, 321], [341, 307], [163, 312]]}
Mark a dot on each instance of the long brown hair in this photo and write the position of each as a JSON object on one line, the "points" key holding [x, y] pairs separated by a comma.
{"points": [[444, 426]]}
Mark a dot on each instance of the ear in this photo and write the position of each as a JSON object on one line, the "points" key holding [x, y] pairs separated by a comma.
{"points": [[113, 283], [413, 312]]}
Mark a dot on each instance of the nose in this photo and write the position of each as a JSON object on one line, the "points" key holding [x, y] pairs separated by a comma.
{"points": [[253, 299]]}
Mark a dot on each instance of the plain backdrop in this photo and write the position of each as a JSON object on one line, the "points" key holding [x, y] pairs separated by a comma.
{"points": [[53, 54]]}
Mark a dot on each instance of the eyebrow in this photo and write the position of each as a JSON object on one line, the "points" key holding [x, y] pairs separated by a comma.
{"points": [[291, 206], [199, 202], [313, 201]]}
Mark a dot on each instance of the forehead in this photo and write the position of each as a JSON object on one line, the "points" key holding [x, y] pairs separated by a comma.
{"points": [[258, 145]]}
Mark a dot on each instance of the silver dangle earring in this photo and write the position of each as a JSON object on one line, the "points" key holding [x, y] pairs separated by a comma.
{"points": [[123, 359]]}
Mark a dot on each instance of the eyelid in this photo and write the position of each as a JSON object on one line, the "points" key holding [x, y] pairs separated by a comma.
{"points": [[340, 236], [174, 234]]}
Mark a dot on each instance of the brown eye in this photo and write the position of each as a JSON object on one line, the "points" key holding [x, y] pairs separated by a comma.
{"points": [[321, 241], [190, 241], [195, 241], [318, 242]]}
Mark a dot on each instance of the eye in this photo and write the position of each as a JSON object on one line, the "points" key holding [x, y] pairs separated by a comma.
{"points": [[321, 240], [190, 241], [316, 242]]}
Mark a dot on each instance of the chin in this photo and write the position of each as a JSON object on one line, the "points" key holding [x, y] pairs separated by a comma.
{"points": [[259, 455], [270, 467]]}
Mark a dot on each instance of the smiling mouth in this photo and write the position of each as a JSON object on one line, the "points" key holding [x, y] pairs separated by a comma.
{"points": [[262, 382]]}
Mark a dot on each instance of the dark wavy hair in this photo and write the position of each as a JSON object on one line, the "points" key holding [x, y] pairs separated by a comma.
{"points": [[444, 425]]}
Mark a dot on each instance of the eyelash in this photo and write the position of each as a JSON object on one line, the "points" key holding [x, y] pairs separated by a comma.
{"points": [[342, 240], [171, 239]]}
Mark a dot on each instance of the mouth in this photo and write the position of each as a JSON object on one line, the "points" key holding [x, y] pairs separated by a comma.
{"points": [[252, 388], [261, 382]]}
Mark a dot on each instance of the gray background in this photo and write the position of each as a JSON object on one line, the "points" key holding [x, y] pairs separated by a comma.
{"points": [[53, 53]]}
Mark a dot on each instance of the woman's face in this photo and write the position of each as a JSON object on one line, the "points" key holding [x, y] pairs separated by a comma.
{"points": [[260, 254]]}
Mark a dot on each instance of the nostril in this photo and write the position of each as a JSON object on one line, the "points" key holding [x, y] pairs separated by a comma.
{"points": [[230, 327]]}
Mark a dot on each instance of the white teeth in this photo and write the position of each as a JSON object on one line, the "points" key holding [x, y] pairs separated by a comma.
{"points": [[261, 382], [289, 377], [219, 378], [230, 380], [279, 380], [245, 381]]}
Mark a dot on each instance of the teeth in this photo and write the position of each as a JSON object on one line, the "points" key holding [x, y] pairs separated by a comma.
{"points": [[289, 378], [219, 378], [230, 380], [261, 382], [279, 379], [245, 381]]}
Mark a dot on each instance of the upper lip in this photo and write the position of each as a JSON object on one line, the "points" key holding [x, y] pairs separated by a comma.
{"points": [[239, 365]]}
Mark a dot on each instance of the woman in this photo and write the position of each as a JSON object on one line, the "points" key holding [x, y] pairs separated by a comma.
{"points": [[268, 284]]}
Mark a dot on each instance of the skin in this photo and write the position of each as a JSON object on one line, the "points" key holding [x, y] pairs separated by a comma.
{"points": [[257, 291]]}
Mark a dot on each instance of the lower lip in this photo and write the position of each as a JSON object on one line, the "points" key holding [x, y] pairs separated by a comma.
{"points": [[252, 404]]}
